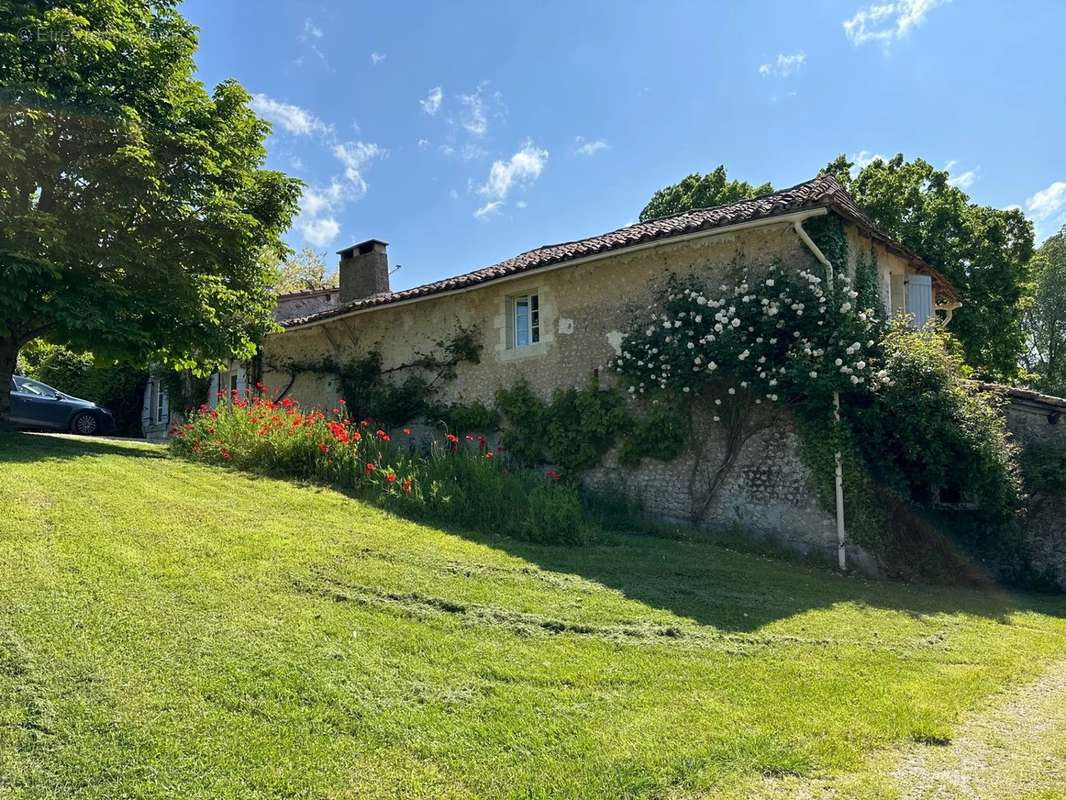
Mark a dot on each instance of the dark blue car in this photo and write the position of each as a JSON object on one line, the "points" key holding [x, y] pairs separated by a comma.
{"points": [[40, 407]]}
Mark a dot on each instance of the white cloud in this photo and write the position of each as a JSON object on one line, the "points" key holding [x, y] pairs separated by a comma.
{"points": [[784, 65], [521, 204], [318, 201], [589, 148], [311, 30], [321, 231], [523, 168], [423, 144], [963, 180], [293, 119], [377, 58], [490, 209], [354, 155], [473, 116], [320, 205], [431, 105], [1047, 202], [864, 158], [887, 22]]}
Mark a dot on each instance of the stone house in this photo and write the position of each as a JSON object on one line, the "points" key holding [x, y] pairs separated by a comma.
{"points": [[156, 416], [555, 316]]}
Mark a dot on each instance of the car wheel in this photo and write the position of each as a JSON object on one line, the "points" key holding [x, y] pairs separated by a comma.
{"points": [[85, 424]]}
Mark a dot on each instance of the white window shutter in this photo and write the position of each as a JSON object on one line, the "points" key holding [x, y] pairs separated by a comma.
{"points": [[920, 299]]}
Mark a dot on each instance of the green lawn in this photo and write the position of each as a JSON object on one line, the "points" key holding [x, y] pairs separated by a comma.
{"points": [[173, 630]]}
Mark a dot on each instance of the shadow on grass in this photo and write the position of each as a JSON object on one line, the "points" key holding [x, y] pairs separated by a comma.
{"points": [[722, 587], [20, 447], [741, 592]]}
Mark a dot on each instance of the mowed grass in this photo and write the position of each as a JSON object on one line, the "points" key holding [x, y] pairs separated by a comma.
{"points": [[174, 630]]}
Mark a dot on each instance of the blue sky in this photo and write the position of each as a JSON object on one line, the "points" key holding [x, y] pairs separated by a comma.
{"points": [[464, 133]]}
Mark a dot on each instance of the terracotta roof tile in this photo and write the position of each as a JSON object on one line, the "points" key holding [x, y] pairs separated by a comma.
{"points": [[823, 191]]}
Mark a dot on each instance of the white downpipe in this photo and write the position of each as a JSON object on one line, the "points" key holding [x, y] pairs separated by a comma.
{"points": [[842, 538]]}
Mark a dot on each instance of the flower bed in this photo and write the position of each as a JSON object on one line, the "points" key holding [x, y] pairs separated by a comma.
{"points": [[453, 479]]}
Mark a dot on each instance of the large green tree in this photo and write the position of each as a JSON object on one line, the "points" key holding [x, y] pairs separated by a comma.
{"points": [[1045, 317], [700, 191], [983, 251], [134, 208]]}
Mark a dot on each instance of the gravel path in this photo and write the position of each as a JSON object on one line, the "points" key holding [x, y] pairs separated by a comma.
{"points": [[1013, 749], [1016, 749]]}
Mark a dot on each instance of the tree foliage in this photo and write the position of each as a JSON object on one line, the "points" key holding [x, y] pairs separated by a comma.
{"points": [[700, 191], [1045, 317], [117, 387], [133, 205], [301, 271], [983, 251]]}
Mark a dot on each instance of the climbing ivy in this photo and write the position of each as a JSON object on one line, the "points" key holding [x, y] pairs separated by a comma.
{"points": [[399, 394], [827, 232]]}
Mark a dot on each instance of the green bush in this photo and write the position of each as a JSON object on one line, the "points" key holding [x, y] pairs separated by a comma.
{"points": [[451, 480], [662, 432], [555, 516], [573, 430], [471, 417], [930, 431]]}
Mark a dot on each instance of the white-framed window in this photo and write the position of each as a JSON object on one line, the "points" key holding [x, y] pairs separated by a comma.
{"points": [[523, 320]]}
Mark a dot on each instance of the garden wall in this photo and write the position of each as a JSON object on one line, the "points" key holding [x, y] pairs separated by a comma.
{"points": [[1039, 421]]}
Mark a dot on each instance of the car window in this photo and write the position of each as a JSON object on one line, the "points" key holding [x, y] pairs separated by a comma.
{"points": [[28, 386]]}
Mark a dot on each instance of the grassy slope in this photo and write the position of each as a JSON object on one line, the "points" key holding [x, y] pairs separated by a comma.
{"points": [[171, 630]]}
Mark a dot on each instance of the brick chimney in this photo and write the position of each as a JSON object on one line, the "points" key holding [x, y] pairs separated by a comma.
{"points": [[364, 270]]}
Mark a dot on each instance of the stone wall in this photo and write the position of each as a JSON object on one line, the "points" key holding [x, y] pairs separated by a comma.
{"points": [[585, 308], [1037, 420], [767, 492]]}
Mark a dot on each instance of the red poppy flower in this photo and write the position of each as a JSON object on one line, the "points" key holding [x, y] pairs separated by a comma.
{"points": [[489, 454], [225, 454], [407, 431], [370, 467], [453, 438], [551, 473], [391, 477], [406, 485], [324, 448]]}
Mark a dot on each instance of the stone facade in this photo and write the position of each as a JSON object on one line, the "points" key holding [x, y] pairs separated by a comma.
{"points": [[584, 308]]}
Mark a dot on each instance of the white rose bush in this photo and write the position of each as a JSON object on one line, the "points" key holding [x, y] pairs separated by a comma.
{"points": [[782, 336]]}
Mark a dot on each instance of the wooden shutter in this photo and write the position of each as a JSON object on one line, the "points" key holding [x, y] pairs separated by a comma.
{"points": [[920, 299]]}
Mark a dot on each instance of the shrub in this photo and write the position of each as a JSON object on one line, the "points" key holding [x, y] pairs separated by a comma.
{"points": [[452, 479], [573, 430], [930, 431]]}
